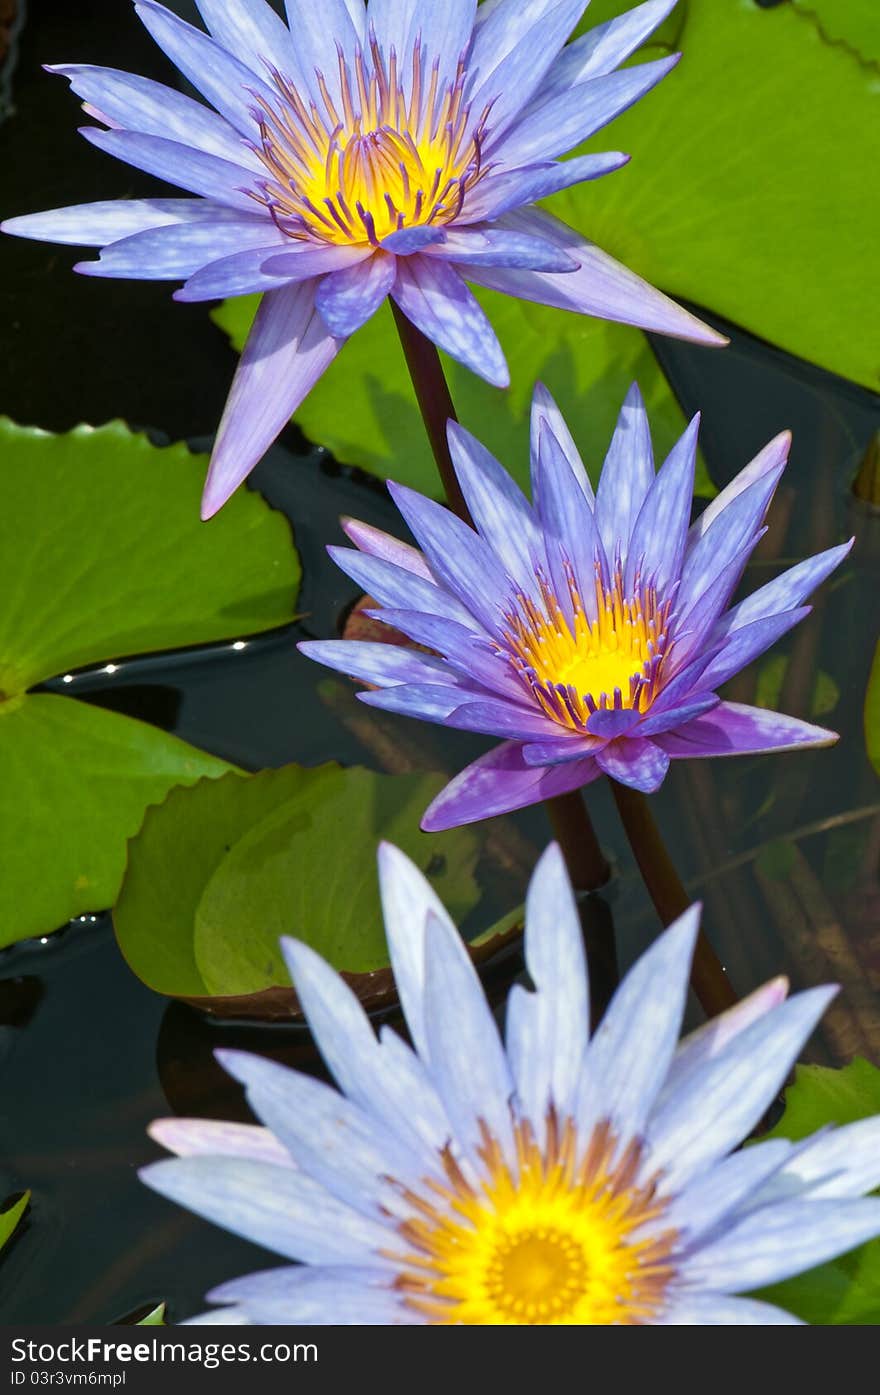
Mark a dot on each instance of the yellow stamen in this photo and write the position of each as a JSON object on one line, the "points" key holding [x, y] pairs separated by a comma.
{"points": [[574, 666], [378, 165], [559, 1239]]}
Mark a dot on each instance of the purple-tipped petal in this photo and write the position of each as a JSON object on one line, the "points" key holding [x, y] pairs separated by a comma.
{"points": [[445, 30], [178, 164], [314, 259], [559, 750], [787, 591], [601, 286], [786, 1239], [728, 535], [406, 241], [553, 125], [379, 544], [500, 782], [767, 461], [487, 246], [634, 761], [570, 535], [697, 1308], [242, 273], [277, 1207], [458, 557], [547, 1030], [138, 104], [544, 409], [656, 547], [627, 475], [397, 588], [254, 32], [747, 643], [463, 648], [666, 719], [112, 220], [426, 702], [286, 352], [190, 1138], [609, 723], [513, 49], [497, 194], [604, 48], [500, 511], [374, 662], [175, 252], [432, 294], [228, 84], [346, 299], [493, 717], [733, 729]]}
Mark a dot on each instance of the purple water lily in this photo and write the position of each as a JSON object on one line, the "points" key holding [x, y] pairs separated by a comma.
{"points": [[590, 631], [552, 1178], [357, 154]]}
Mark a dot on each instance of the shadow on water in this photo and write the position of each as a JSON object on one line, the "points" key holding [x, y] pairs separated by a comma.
{"points": [[785, 851]]}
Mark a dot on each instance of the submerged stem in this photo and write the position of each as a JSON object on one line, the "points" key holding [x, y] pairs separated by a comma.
{"points": [[572, 827], [710, 982]]}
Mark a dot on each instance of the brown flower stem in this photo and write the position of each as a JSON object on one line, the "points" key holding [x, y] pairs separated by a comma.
{"points": [[573, 830], [587, 866], [710, 982], [435, 403]]}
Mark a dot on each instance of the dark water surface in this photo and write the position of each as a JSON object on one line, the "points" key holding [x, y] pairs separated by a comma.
{"points": [[785, 850]]}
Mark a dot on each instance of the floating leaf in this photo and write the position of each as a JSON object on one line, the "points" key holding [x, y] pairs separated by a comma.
{"points": [[854, 24], [821, 1096], [872, 712], [220, 872], [753, 168], [589, 364], [154, 1319], [771, 676], [845, 1292], [10, 1218], [102, 555]]}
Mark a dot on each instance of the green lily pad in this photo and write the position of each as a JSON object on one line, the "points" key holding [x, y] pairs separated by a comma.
{"points": [[872, 712], [220, 872], [588, 364], [854, 24], [845, 1292], [154, 1319], [753, 167], [10, 1218], [771, 676], [102, 555]]}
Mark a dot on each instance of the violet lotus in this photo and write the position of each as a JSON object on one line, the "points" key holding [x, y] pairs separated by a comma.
{"points": [[552, 1178], [360, 152], [591, 632]]}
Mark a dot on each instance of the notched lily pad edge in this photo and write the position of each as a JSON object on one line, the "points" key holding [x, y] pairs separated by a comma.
{"points": [[376, 991]]}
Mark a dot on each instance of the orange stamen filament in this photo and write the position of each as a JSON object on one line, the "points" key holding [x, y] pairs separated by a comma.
{"points": [[574, 665], [559, 1238], [380, 164]]}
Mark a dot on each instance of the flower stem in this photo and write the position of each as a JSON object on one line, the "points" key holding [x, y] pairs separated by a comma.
{"points": [[435, 403], [587, 865], [710, 982], [573, 830]]}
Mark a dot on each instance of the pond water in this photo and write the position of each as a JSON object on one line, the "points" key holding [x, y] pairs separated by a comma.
{"points": [[785, 851]]}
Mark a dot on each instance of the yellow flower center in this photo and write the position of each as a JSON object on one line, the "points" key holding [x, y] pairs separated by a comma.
{"points": [[575, 666], [382, 159], [559, 1239]]}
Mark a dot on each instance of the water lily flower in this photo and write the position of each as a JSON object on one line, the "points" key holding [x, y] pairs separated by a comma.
{"points": [[551, 1178], [589, 631], [356, 154]]}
